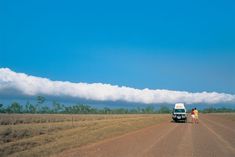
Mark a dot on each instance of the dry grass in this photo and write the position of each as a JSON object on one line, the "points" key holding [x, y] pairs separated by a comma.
{"points": [[45, 135]]}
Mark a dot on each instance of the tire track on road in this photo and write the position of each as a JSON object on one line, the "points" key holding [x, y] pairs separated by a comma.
{"points": [[186, 143], [147, 151], [223, 143], [219, 125]]}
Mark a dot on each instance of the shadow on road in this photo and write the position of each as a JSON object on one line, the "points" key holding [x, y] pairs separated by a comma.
{"points": [[180, 122]]}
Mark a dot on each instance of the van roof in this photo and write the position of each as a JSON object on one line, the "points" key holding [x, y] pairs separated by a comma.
{"points": [[179, 106]]}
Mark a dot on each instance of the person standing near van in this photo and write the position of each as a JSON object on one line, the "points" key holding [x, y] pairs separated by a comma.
{"points": [[196, 115], [192, 116]]}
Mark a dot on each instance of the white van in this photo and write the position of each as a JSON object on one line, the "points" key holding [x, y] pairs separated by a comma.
{"points": [[179, 112]]}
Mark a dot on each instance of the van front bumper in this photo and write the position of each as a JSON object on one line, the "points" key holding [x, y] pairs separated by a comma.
{"points": [[179, 117]]}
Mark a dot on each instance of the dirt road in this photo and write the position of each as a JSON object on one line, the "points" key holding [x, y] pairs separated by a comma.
{"points": [[214, 136]]}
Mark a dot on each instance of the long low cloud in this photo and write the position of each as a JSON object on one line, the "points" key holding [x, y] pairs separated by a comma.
{"points": [[15, 84]]}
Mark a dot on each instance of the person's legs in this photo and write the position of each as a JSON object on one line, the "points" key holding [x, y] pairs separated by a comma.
{"points": [[196, 118], [193, 118]]}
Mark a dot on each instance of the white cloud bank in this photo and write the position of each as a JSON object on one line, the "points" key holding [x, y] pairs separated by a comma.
{"points": [[23, 84]]}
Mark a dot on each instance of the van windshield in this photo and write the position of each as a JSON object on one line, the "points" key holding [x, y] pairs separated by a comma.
{"points": [[179, 110]]}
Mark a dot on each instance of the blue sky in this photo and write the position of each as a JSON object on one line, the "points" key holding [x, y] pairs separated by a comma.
{"points": [[175, 45]]}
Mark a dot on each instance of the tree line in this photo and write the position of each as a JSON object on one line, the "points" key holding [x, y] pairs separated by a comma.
{"points": [[58, 108], [217, 110]]}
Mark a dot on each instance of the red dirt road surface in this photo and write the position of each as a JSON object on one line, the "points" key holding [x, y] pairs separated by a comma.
{"points": [[214, 136]]}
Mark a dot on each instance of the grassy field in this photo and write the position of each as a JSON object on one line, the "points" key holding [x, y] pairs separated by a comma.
{"points": [[45, 134]]}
